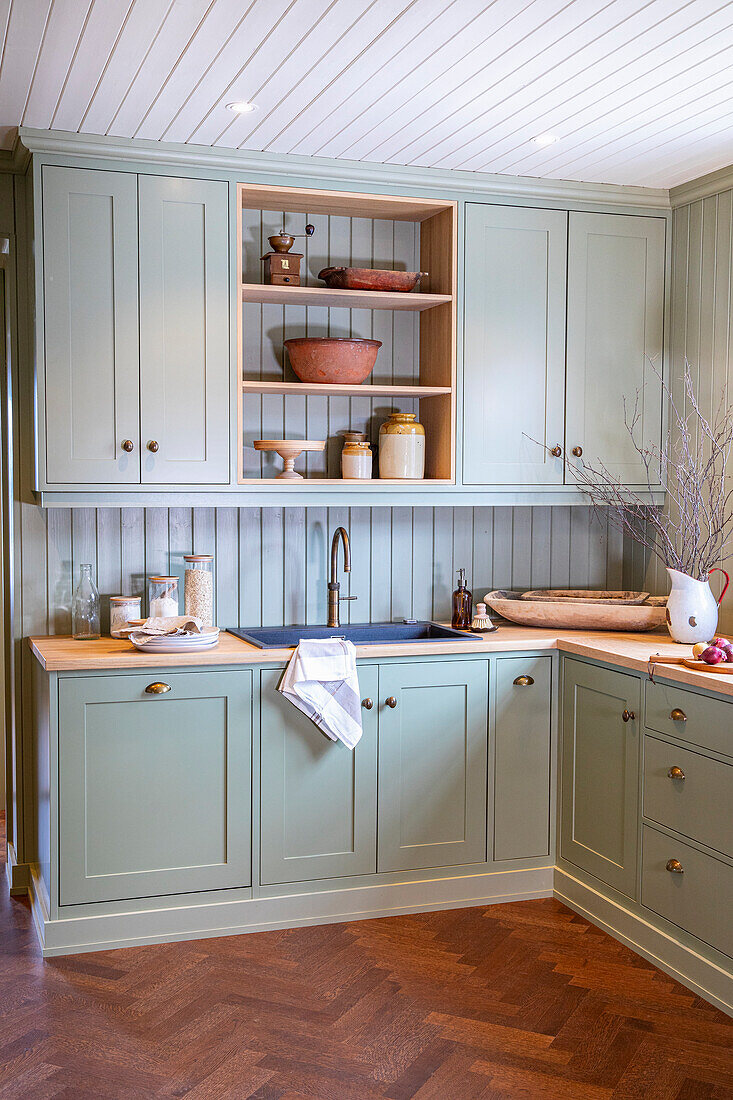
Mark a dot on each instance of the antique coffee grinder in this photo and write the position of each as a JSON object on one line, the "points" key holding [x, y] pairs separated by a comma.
{"points": [[282, 267]]}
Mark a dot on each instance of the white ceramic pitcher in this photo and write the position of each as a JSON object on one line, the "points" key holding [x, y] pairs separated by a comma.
{"points": [[692, 610]]}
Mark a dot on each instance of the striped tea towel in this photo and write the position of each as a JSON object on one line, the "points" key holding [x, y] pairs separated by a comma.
{"points": [[321, 681]]}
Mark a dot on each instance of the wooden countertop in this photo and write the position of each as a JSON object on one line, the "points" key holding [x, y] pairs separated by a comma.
{"points": [[62, 654]]}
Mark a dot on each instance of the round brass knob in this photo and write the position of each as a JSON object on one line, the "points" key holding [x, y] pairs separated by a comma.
{"points": [[678, 715], [367, 704], [675, 867], [153, 445], [628, 716], [157, 688], [556, 451], [127, 445], [577, 451], [391, 702], [523, 681], [675, 773]]}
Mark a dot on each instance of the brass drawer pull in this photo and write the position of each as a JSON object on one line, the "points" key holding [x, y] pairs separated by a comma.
{"points": [[675, 773], [153, 445], [367, 704], [523, 681], [556, 451], [675, 867], [391, 702], [678, 715], [628, 716], [578, 452], [127, 445], [157, 688]]}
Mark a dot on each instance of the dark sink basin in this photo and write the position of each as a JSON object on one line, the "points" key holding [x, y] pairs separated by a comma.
{"points": [[284, 637]]}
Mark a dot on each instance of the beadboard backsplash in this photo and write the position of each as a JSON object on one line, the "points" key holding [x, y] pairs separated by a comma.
{"points": [[271, 565]]}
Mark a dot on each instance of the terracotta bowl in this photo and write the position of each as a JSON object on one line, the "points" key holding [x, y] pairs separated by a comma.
{"points": [[334, 360]]}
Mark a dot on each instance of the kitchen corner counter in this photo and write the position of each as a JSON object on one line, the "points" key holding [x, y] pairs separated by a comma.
{"points": [[62, 654]]}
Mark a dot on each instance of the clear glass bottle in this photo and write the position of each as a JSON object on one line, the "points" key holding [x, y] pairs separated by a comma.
{"points": [[85, 608], [198, 587]]}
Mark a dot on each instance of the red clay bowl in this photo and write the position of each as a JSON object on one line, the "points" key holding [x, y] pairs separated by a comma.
{"points": [[332, 360]]}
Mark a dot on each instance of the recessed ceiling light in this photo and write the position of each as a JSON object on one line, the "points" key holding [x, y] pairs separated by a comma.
{"points": [[544, 139], [242, 107]]}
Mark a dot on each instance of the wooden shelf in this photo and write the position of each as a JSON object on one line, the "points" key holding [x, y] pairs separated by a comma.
{"points": [[343, 299], [286, 483], [315, 389]]}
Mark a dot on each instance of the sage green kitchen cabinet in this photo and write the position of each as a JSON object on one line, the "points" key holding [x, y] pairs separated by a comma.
{"points": [[184, 330], [135, 330], [514, 354], [154, 789], [600, 773], [90, 321], [318, 798], [614, 340], [522, 723], [432, 764]]}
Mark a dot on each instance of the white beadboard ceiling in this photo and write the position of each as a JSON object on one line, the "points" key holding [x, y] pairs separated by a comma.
{"points": [[636, 91]]}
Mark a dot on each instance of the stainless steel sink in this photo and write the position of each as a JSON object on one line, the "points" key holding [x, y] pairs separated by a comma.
{"points": [[284, 637]]}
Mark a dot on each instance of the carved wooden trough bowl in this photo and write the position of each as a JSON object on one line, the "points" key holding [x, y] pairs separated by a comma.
{"points": [[588, 614], [370, 278]]}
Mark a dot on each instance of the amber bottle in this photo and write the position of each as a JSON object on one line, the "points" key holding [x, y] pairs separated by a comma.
{"points": [[462, 604]]}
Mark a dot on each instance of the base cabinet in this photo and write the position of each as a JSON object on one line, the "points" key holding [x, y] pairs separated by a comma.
{"points": [[154, 788], [318, 816], [432, 764], [600, 773]]}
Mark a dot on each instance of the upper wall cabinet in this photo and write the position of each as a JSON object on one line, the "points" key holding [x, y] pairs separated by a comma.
{"points": [[534, 280], [136, 330]]}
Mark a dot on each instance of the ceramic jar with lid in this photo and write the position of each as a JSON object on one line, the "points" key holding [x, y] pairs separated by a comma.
{"points": [[356, 457], [402, 448]]}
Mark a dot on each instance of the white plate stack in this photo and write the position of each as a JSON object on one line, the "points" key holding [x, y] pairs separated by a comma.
{"points": [[176, 643]]}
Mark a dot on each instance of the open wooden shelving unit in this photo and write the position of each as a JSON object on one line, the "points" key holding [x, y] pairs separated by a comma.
{"points": [[435, 305]]}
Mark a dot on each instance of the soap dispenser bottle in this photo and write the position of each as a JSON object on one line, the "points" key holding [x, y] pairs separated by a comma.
{"points": [[462, 603]]}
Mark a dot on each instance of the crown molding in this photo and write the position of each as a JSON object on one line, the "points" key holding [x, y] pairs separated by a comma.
{"points": [[702, 188], [16, 159], [360, 173]]}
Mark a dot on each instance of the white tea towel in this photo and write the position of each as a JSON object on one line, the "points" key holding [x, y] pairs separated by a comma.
{"points": [[321, 680]]}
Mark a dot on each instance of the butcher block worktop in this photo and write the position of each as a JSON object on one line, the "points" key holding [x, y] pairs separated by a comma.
{"points": [[62, 654]]}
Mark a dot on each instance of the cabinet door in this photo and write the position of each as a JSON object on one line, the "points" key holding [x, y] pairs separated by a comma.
{"points": [[154, 790], [432, 764], [600, 773], [184, 330], [615, 326], [318, 798], [91, 326], [514, 354], [522, 757]]}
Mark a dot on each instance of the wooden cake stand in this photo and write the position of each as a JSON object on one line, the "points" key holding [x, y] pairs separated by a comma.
{"points": [[289, 450]]}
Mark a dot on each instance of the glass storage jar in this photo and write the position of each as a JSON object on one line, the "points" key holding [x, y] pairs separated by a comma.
{"points": [[402, 448], [85, 608], [121, 610], [198, 587], [163, 597], [356, 458]]}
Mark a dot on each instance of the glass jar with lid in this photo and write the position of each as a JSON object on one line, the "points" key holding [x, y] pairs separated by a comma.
{"points": [[163, 597], [122, 609], [198, 587]]}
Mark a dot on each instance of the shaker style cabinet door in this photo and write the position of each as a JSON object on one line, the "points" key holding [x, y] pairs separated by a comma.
{"points": [[615, 327], [90, 319], [432, 764], [184, 330], [154, 789], [514, 345], [318, 799], [600, 773]]}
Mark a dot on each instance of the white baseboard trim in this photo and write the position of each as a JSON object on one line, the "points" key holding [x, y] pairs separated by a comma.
{"points": [[703, 977], [19, 874], [71, 935]]}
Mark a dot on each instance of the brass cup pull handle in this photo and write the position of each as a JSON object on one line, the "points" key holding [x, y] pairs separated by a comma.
{"points": [[628, 716], [578, 452], [367, 704], [157, 688], [675, 867], [678, 715], [556, 451], [391, 702], [675, 773], [523, 681], [153, 445], [127, 445]]}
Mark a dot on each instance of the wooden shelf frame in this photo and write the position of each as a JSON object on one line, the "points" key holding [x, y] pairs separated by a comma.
{"points": [[436, 306]]}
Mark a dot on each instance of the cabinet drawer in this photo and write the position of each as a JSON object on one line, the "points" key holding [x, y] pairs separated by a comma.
{"points": [[699, 900], [695, 805], [703, 721]]}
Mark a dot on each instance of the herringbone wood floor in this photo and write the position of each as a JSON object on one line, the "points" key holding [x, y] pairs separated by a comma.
{"points": [[519, 1000]]}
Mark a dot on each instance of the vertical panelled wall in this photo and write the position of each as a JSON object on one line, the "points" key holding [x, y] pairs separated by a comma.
{"points": [[702, 315]]}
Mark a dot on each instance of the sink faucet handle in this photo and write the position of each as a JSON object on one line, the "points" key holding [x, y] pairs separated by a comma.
{"points": [[348, 597]]}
